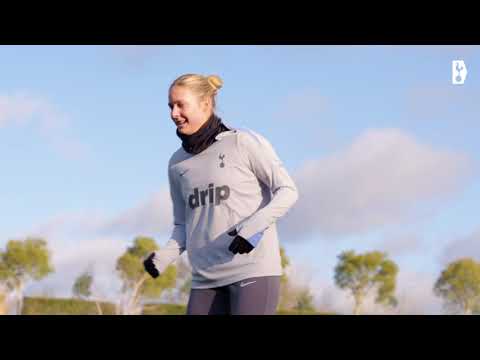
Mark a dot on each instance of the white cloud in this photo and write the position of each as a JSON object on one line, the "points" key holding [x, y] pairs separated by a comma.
{"points": [[84, 239], [70, 259], [152, 217], [24, 109], [467, 246], [71, 225], [385, 177], [403, 244], [414, 294], [17, 109], [414, 290], [90, 238]]}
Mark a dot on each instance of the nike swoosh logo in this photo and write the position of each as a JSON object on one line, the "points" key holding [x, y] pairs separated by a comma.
{"points": [[247, 283]]}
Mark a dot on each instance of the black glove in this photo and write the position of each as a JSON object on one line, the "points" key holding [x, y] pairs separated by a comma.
{"points": [[239, 244], [150, 266]]}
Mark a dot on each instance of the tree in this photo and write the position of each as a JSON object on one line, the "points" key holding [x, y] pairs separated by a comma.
{"points": [[287, 294], [293, 296], [82, 288], [3, 302], [361, 274], [184, 279], [136, 283], [185, 289], [459, 286], [21, 262], [305, 301]]}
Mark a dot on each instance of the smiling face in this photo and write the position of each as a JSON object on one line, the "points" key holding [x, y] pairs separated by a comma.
{"points": [[187, 111]]}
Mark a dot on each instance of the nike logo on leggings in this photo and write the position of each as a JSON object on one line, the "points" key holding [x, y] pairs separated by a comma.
{"points": [[247, 283]]}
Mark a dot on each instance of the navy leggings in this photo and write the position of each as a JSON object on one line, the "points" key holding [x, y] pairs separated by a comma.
{"points": [[253, 296]]}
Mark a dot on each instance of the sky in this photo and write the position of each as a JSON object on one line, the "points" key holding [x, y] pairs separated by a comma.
{"points": [[382, 146]]}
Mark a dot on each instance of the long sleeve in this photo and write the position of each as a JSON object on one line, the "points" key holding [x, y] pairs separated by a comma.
{"points": [[176, 245], [268, 168]]}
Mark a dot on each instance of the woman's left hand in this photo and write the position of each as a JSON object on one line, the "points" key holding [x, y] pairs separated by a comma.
{"points": [[239, 244]]}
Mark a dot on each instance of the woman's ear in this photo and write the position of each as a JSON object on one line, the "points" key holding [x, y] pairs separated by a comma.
{"points": [[207, 104]]}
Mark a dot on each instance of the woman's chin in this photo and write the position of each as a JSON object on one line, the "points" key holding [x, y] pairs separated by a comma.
{"points": [[184, 131]]}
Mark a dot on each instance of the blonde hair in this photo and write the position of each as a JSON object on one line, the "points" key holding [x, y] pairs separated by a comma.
{"points": [[202, 86]]}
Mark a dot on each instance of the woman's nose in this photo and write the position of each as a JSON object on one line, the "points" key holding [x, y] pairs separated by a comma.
{"points": [[175, 113]]}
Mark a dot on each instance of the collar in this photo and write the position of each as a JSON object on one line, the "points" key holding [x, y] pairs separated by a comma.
{"points": [[232, 131]]}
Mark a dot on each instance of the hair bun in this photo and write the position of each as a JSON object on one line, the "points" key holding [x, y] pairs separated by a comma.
{"points": [[215, 81]]}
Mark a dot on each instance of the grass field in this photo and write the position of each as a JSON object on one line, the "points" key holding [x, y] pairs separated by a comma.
{"points": [[55, 306]]}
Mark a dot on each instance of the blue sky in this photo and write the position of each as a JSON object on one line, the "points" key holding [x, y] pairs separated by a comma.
{"points": [[86, 130]]}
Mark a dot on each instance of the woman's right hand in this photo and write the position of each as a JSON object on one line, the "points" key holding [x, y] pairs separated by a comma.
{"points": [[149, 266]]}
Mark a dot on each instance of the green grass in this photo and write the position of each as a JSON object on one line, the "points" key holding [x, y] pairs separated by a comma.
{"points": [[56, 306], [52, 306], [164, 309], [296, 312]]}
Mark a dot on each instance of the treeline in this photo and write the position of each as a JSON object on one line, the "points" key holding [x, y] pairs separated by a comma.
{"points": [[361, 276]]}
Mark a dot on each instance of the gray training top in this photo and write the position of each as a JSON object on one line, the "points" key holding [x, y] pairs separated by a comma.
{"points": [[238, 182]]}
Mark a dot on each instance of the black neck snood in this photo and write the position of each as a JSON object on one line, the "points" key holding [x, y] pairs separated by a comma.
{"points": [[203, 137]]}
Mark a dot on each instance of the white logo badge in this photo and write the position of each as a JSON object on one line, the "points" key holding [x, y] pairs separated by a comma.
{"points": [[459, 72], [247, 283]]}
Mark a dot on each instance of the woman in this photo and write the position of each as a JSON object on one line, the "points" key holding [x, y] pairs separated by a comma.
{"points": [[228, 188]]}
